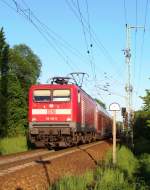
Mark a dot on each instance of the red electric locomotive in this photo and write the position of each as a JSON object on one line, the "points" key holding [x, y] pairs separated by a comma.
{"points": [[64, 115]]}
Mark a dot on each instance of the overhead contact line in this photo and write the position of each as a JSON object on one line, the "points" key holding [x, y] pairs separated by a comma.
{"points": [[142, 45], [73, 8], [28, 15]]}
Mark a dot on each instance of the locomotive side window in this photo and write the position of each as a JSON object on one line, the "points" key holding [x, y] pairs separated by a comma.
{"points": [[61, 95], [79, 97], [42, 95]]}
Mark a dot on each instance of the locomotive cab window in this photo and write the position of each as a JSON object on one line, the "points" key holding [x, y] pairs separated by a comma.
{"points": [[61, 95], [42, 95]]}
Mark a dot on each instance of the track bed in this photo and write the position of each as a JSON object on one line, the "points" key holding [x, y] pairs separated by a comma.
{"points": [[40, 171]]}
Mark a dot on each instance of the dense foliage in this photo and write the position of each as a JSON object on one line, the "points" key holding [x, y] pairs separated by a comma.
{"points": [[146, 100], [142, 127], [19, 69], [142, 138]]}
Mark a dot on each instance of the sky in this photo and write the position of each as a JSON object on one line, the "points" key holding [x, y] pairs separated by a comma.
{"points": [[85, 36]]}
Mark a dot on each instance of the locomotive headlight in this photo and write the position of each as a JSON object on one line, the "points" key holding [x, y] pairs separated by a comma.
{"points": [[33, 119], [68, 119], [34, 131]]}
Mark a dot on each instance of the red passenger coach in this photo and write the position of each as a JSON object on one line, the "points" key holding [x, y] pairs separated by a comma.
{"points": [[65, 115]]}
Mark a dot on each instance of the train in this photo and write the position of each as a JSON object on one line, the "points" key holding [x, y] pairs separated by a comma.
{"points": [[63, 115]]}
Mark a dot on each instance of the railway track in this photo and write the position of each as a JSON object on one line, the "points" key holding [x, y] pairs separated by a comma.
{"points": [[38, 169], [23, 160]]}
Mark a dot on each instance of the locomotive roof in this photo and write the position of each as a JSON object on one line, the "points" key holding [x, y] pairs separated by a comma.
{"points": [[100, 108], [103, 110]]}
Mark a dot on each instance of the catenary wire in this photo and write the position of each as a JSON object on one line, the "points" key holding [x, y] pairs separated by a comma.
{"points": [[95, 38], [63, 42], [25, 14], [142, 46], [90, 39], [125, 12], [85, 39], [40, 31]]}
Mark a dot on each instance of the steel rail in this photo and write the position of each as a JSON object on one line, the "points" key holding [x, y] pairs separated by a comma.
{"points": [[39, 158]]}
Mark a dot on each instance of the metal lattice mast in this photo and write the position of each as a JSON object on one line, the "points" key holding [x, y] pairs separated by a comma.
{"points": [[128, 86]]}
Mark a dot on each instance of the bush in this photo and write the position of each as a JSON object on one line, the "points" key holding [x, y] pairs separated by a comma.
{"points": [[141, 145], [141, 132], [13, 145], [145, 167]]}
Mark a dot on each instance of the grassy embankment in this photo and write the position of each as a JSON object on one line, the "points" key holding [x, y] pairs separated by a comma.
{"points": [[13, 145], [129, 174]]}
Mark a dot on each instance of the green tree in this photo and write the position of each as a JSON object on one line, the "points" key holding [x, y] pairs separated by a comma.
{"points": [[2, 44], [25, 69], [146, 100], [142, 126], [26, 65], [4, 71], [17, 107], [19, 69]]}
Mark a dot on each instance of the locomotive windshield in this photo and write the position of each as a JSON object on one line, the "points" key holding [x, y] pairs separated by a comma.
{"points": [[42, 95], [61, 95], [51, 95]]}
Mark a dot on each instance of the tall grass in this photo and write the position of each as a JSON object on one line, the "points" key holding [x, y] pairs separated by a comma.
{"points": [[107, 176], [100, 179], [126, 161], [13, 145], [112, 179], [74, 182]]}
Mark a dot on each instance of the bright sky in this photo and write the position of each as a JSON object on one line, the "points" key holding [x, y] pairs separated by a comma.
{"points": [[107, 19]]}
